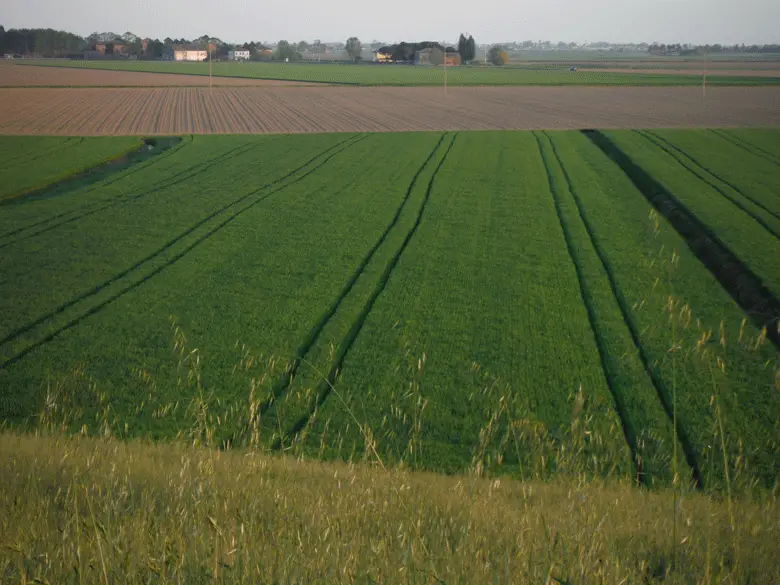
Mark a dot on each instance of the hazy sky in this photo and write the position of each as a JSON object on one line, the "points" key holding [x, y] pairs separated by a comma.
{"points": [[694, 21]]}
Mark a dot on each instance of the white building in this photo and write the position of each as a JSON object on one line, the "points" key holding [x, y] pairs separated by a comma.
{"points": [[189, 53], [238, 54]]}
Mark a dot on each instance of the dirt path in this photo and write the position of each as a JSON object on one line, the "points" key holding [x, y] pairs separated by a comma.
{"points": [[148, 111]]}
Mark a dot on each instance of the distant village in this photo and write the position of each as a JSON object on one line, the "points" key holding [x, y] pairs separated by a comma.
{"points": [[49, 43]]}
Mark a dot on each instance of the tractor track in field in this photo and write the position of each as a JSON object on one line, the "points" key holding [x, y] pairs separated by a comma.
{"points": [[172, 181], [280, 388], [670, 149], [710, 171], [747, 146], [629, 433], [328, 154], [176, 179], [625, 309], [85, 179], [744, 286], [326, 386], [99, 185]]}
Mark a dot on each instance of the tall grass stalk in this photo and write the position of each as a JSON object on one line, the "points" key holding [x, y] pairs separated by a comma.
{"points": [[182, 513]]}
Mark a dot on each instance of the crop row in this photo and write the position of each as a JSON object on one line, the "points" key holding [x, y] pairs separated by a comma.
{"points": [[669, 300], [742, 213], [349, 293], [486, 291]]}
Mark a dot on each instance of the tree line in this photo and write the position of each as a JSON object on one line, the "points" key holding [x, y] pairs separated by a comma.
{"points": [[688, 49], [44, 41], [56, 43]]}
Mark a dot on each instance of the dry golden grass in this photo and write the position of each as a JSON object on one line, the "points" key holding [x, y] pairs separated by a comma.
{"points": [[86, 510]]}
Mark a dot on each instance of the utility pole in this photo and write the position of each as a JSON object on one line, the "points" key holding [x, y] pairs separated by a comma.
{"points": [[208, 46], [445, 69], [704, 80]]}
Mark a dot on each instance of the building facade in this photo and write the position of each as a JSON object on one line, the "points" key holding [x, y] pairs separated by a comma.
{"points": [[189, 53], [238, 55]]}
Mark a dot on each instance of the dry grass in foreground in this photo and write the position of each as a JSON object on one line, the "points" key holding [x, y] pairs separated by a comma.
{"points": [[83, 510]]}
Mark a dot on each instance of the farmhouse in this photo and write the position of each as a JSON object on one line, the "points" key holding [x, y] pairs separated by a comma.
{"points": [[423, 57], [189, 53], [383, 55], [418, 53], [238, 54], [110, 48]]}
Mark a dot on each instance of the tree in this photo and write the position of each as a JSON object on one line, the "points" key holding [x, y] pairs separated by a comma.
{"points": [[354, 48], [156, 49], [471, 49], [317, 48], [286, 52], [498, 56], [135, 47], [467, 48], [463, 47]]}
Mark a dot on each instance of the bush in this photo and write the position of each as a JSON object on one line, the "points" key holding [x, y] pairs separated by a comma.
{"points": [[498, 56]]}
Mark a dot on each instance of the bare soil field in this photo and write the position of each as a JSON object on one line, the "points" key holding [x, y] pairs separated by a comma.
{"points": [[148, 111], [27, 76]]}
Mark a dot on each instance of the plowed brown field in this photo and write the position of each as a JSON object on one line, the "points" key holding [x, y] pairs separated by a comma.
{"points": [[27, 76], [146, 111]]}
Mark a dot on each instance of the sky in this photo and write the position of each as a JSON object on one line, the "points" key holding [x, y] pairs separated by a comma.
{"points": [[666, 21]]}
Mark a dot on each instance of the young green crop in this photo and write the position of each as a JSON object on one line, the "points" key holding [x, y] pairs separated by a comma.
{"points": [[638, 394], [750, 180], [762, 142], [639, 260], [29, 163], [753, 243], [135, 227], [467, 309], [409, 75], [263, 278], [486, 294]]}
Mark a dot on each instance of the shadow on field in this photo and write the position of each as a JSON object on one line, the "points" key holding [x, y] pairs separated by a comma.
{"points": [[742, 284], [151, 147]]}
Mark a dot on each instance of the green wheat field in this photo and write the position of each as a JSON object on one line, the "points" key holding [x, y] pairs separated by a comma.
{"points": [[401, 75], [460, 357]]}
